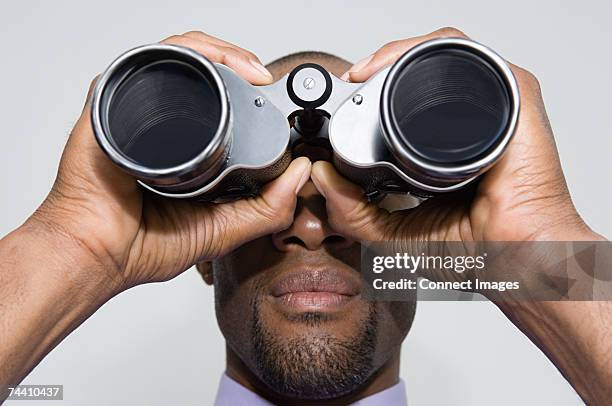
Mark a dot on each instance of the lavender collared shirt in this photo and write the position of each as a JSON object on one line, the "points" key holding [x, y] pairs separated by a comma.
{"points": [[231, 393]]}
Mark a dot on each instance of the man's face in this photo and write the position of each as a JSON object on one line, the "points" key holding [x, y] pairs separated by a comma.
{"points": [[290, 305], [291, 309]]}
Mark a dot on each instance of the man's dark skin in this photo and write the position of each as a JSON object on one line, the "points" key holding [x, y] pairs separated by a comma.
{"points": [[98, 234]]}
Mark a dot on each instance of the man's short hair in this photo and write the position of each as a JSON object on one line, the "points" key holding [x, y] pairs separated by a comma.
{"points": [[281, 66]]}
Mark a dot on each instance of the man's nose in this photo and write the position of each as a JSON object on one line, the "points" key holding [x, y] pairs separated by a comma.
{"points": [[309, 229]]}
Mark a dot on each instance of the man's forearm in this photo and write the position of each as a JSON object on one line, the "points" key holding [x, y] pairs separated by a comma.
{"points": [[577, 337], [48, 286]]}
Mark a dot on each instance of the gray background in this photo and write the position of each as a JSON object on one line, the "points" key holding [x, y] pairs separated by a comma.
{"points": [[159, 344]]}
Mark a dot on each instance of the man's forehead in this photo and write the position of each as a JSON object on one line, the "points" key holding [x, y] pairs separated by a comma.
{"points": [[334, 64]]}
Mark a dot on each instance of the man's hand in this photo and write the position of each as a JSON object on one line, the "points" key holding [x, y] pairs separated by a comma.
{"points": [[98, 233], [524, 197], [143, 238]]}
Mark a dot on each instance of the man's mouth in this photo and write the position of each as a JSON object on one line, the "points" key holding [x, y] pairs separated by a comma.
{"points": [[319, 289]]}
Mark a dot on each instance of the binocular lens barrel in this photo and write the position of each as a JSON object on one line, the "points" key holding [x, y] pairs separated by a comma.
{"points": [[163, 115], [447, 110]]}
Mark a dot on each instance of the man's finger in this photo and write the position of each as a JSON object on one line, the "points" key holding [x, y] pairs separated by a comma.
{"points": [[272, 211], [249, 69], [391, 52], [202, 36], [348, 210]]}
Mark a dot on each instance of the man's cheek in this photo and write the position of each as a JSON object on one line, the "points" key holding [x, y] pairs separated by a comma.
{"points": [[395, 319], [234, 310], [233, 299]]}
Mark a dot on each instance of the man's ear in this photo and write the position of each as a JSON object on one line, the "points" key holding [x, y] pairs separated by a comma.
{"points": [[206, 270]]}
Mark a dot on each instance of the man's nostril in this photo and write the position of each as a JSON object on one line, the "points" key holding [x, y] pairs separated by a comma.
{"points": [[334, 240], [329, 241], [293, 240]]}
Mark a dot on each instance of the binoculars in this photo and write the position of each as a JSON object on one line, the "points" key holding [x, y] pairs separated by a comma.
{"points": [[185, 127]]}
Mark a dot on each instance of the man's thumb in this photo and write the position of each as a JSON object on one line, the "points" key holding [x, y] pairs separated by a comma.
{"points": [[348, 210], [271, 211]]}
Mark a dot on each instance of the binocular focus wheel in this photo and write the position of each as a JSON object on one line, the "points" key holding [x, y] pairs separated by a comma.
{"points": [[309, 85]]}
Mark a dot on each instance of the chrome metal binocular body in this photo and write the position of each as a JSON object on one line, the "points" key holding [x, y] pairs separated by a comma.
{"points": [[187, 128]]}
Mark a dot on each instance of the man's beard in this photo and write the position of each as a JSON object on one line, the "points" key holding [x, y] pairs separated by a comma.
{"points": [[314, 367]]}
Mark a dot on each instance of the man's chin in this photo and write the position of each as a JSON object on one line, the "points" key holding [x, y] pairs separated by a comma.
{"points": [[314, 368], [314, 355]]}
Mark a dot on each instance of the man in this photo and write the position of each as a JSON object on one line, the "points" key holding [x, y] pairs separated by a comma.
{"points": [[288, 297]]}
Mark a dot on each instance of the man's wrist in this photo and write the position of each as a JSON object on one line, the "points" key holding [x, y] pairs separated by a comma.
{"points": [[64, 259], [574, 229], [48, 287]]}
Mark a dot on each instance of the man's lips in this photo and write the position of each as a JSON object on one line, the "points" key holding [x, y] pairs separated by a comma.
{"points": [[315, 289]]}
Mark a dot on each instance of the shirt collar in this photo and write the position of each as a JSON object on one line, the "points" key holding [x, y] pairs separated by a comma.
{"points": [[231, 393]]}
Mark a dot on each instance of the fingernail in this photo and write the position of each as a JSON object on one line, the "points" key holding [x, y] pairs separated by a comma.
{"points": [[345, 77], [261, 68], [304, 178], [317, 185], [360, 65]]}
